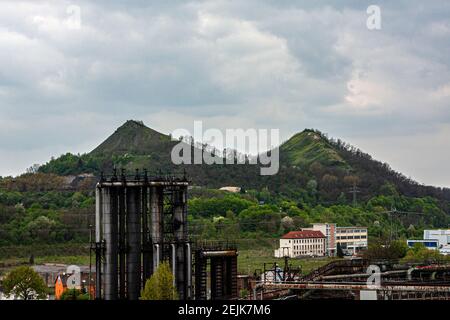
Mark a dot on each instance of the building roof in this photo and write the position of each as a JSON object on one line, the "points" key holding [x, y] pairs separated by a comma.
{"points": [[231, 189], [303, 234]]}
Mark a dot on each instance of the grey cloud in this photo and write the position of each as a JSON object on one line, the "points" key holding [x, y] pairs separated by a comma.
{"points": [[282, 64]]}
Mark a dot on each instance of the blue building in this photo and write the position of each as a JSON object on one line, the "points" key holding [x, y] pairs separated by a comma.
{"points": [[430, 244]]}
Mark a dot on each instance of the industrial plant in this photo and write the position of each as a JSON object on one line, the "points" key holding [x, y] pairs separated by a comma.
{"points": [[142, 221]]}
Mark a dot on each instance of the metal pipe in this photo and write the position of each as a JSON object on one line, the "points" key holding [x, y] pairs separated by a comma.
{"points": [[354, 286], [156, 258], [174, 263], [122, 244], [110, 234], [360, 275], [189, 271], [146, 256], [180, 236], [98, 239], [156, 211], [221, 253], [98, 214], [133, 198]]}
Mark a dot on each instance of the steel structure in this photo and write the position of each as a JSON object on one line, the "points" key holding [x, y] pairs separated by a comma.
{"points": [[140, 222], [396, 281], [223, 271]]}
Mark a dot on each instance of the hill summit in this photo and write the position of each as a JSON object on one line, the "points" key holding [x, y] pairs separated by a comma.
{"points": [[133, 137], [308, 147]]}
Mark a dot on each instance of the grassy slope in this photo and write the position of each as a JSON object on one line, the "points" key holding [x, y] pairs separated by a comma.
{"points": [[307, 147], [133, 137]]}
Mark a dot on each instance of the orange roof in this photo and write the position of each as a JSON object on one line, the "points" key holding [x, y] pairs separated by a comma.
{"points": [[303, 234]]}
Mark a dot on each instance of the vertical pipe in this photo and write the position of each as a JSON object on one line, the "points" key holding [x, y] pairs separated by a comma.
{"points": [[189, 272], [98, 239], [98, 271], [90, 263], [133, 197], [110, 235], [156, 211], [180, 236], [174, 263], [156, 258], [98, 214], [146, 256], [122, 243]]}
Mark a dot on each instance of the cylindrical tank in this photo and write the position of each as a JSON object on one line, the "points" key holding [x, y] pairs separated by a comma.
{"points": [[109, 210], [133, 196]]}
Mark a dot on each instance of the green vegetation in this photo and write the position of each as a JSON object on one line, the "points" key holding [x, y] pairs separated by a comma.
{"points": [[25, 283], [160, 285], [419, 253], [253, 259], [308, 147], [47, 213], [74, 294], [389, 250]]}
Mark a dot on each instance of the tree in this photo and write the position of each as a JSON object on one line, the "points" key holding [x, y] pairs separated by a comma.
{"points": [[25, 283], [339, 251], [393, 250], [160, 285], [287, 224], [419, 253], [74, 294]]}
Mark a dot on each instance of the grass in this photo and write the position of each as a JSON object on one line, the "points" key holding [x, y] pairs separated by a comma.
{"points": [[252, 259]]}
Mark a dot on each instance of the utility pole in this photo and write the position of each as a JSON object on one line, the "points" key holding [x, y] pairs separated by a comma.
{"points": [[392, 214], [354, 190], [90, 261]]}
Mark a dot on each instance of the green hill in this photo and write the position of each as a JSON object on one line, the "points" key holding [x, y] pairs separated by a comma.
{"points": [[133, 137], [308, 155], [307, 147]]}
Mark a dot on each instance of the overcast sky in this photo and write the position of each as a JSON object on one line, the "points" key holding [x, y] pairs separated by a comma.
{"points": [[290, 65]]}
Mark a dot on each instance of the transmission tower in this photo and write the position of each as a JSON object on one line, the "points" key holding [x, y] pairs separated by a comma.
{"points": [[394, 212], [354, 190]]}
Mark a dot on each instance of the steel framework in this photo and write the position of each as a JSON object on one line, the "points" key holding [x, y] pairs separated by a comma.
{"points": [[140, 222]]}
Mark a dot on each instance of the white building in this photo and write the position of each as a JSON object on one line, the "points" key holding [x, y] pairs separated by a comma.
{"points": [[329, 230], [352, 239], [438, 239], [302, 243], [442, 235]]}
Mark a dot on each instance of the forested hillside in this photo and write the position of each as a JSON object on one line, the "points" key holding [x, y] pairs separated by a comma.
{"points": [[55, 204]]}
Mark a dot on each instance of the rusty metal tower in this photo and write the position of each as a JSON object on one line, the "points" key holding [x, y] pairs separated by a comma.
{"points": [[141, 220]]}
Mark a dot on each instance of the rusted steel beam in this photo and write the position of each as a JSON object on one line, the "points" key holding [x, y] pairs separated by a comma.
{"points": [[221, 253], [361, 275], [354, 286]]}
